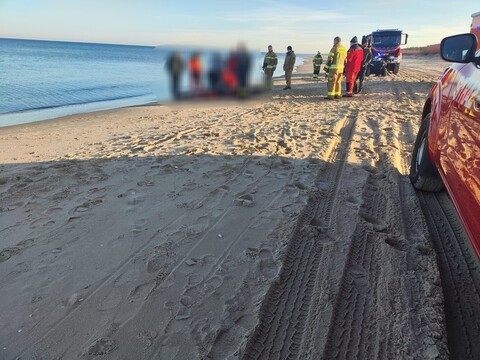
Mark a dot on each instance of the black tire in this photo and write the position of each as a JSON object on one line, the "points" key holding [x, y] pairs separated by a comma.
{"points": [[423, 173], [396, 68], [384, 71]]}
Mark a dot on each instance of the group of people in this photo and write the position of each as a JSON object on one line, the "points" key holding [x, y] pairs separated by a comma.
{"points": [[270, 64], [352, 63], [225, 75]]}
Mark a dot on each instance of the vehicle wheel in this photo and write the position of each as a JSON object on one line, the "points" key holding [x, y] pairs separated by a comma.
{"points": [[396, 68], [384, 71], [423, 173]]}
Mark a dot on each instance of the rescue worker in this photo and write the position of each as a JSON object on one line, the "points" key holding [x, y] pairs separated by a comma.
{"points": [[367, 59], [353, 65], [288, 66], [269, 65], [317, 63], [334, 67]]}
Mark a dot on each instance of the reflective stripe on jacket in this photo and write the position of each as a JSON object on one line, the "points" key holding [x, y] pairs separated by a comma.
{"points": [[270, 61], [317, 60], [336, 58]]}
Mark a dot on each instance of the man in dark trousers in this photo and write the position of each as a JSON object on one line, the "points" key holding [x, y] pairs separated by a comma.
{"points": [[367, 59], [317, 63], [175, 68], [288, 66]]}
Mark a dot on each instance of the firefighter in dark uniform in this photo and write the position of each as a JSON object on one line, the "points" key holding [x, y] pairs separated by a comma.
{"points": [[269, 65], [317, 63]]}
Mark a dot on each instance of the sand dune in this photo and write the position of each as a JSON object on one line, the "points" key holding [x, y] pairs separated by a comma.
{"points": [[278, 228]]}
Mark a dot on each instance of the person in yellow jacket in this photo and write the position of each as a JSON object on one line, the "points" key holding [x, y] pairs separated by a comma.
{"points": [[334, 67], [269, 65]]}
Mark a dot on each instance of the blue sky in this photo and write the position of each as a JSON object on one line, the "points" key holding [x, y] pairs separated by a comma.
{"points": [[306, 25]]}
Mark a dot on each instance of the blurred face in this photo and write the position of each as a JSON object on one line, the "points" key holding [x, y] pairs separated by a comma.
{"points": [[270, 49]]}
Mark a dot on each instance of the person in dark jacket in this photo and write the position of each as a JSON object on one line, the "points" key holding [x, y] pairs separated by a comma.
{"points": [[317, 63], [243, 68], [288, 66], [175, 68], [367, 59]]}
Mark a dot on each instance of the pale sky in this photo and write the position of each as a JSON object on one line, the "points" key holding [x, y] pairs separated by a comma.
{"points": [[308, 26]]}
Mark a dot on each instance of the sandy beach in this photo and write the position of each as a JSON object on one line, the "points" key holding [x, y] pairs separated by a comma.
{"points": [[274, 228]]}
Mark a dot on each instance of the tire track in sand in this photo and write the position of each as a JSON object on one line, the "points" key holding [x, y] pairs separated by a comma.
{"points": [[460, 273], [285, 310]]}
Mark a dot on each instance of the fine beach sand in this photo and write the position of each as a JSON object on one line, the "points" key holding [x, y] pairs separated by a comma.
{"points": [[274, 228]]}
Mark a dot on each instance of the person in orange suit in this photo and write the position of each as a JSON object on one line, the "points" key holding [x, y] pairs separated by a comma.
{"points": [[353, 65]]}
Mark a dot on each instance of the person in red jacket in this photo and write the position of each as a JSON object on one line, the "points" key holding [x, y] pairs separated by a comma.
{"points": [[353, 65]]}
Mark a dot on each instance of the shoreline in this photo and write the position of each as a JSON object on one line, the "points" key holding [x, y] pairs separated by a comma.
{"points": [[28, 113]]}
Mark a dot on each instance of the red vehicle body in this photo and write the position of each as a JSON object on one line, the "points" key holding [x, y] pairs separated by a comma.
{"points": [[447, 149]]}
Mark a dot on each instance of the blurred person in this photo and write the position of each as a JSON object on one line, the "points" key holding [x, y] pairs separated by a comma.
{"points": [[215, 73], [367, 59], [229, 74], [353, 65], [317, 63], [269, 65], [175, 68], [334, 67], [288, 66], [195, 67], [242, 69]]}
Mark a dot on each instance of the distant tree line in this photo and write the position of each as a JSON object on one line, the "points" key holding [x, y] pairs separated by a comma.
{"points": [[423, 50]]}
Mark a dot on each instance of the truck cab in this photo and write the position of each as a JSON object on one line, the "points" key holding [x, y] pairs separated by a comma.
{"points": [[386, 50]]}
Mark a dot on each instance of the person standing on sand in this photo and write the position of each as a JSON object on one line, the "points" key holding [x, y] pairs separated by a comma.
{"points": [[175, 68], [317, 63], [334, 67], [195, 67], [269, 65], [288, 66], [353, 65], [367, 59]]}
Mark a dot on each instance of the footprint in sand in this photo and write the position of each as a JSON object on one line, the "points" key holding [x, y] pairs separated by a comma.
{"points": [[359, 278], [7, 253], [266, 263], [41, 222], [244, 200], [102, 346], [110, 301], [397, 243], [132, 197]]}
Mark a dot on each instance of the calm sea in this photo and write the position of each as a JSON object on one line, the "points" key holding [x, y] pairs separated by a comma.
{"points": [[47, 79], [42, 80]]}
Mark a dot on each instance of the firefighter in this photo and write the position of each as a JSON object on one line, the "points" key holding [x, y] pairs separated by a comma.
{"points": [[288, 66], [269, 65], [353, 65], [334, 67], [317, 63]]}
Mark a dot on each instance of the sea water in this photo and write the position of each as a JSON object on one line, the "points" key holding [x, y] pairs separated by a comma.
{"points": [[42, 80]]}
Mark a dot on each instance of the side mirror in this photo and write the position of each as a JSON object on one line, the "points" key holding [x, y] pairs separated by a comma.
{"points": [[459, 48]]}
